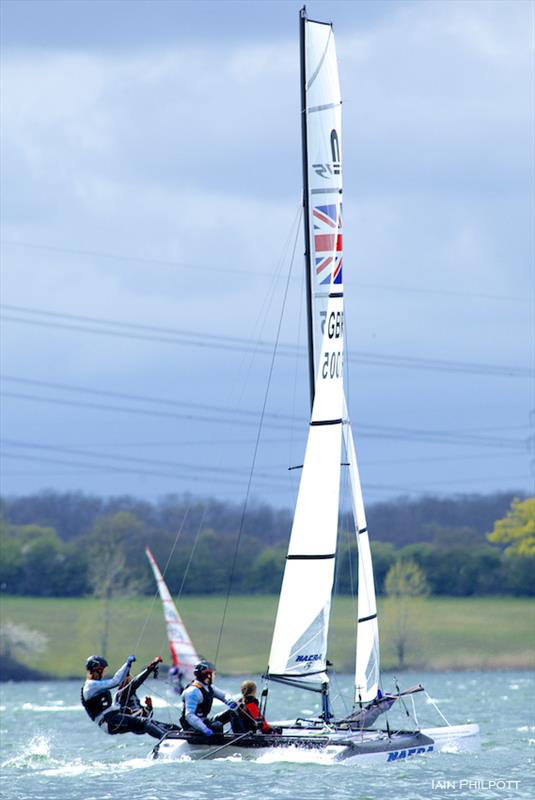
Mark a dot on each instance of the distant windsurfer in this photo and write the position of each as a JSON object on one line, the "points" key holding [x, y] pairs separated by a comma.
{"points": [[197, 702], [176, 679]]}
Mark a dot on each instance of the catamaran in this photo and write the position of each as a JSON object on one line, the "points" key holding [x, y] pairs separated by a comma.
{"points": [[183, 653], [298, 654]]}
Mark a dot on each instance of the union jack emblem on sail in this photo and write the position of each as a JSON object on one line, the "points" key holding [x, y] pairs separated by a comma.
{"points": [[328, 249]]}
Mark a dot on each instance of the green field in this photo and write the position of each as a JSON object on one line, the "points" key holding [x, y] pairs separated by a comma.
{"points": [[446, 633]]}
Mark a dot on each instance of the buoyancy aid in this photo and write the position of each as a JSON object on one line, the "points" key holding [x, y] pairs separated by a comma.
{"points": [[204, 707], [97, 706], [251, 716]]}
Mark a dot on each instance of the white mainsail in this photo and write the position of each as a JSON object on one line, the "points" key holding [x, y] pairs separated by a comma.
{"points": [[322, 172], [323, 138], [183, 653], [300, 639], [299, 647]]}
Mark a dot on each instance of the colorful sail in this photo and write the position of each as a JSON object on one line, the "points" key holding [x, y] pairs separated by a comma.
{"points": [[183, 653]]}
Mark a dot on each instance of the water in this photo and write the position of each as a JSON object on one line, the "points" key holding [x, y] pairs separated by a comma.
{"points": [[51, 750]]}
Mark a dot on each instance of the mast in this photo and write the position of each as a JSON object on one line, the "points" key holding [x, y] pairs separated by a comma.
{"points": [[306, 215]]}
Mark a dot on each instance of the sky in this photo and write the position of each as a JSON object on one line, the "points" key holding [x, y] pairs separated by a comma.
{"points": [[150, 187]]}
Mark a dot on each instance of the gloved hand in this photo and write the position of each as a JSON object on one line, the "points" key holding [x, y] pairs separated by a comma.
{"points": [[148, 703], [154, 663], [208, 733], [233, 706], [131, 659]]}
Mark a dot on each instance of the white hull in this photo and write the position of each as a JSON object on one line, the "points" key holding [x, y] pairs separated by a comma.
{"points": [[351, 748]]}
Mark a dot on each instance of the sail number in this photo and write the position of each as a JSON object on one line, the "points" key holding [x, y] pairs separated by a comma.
{"points": [[332, 365], [336, 323]]}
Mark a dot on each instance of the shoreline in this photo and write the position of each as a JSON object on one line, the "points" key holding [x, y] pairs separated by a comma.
{"points": [[454, 670], [445, 634]]}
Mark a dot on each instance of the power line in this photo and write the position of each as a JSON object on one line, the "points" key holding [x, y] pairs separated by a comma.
{"points": [[138, 259], [87, 468], [221, 477], [150, 462], [143, 398], [382, 287], [125, 410], [365, 431], [165, 335]]}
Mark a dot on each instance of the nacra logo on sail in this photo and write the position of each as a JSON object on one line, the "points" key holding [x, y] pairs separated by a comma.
{"points": [[315, 657]]}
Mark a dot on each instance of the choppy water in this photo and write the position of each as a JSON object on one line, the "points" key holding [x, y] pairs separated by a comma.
{"points": [[51, 750]]}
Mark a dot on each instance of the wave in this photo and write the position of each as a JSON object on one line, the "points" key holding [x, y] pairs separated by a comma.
{"points": [[56, 706], [78, 767], [34, 755], [298, 755]]}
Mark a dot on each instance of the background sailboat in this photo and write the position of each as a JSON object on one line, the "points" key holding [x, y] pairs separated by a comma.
{"points": [[183, 653]]}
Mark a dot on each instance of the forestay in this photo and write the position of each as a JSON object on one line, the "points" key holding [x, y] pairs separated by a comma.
{"points": [[183, 653]]}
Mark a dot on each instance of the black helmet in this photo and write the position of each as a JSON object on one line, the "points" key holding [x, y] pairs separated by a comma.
{"points": [[95, 662], [202, 668]]}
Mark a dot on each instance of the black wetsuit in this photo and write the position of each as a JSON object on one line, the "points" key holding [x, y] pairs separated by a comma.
{"points": [[110, 716], [133, 717]]}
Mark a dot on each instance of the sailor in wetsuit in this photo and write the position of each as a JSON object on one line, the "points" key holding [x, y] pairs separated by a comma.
{"points": [[97, 700], [128, 701], [198, 698]]}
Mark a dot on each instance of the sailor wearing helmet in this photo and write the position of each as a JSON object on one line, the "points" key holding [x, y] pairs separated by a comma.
{"points": [[97, 700], [197, 702]]}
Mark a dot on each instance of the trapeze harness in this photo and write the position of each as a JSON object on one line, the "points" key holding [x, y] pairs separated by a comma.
{"points": [[98, 706], [203, 708], [102, 710]]}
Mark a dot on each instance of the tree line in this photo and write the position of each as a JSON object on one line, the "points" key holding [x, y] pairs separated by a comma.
{"points": [[73, 545]]}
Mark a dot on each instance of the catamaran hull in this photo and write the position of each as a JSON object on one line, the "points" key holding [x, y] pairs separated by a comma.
{"points": [[352, 748]]}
